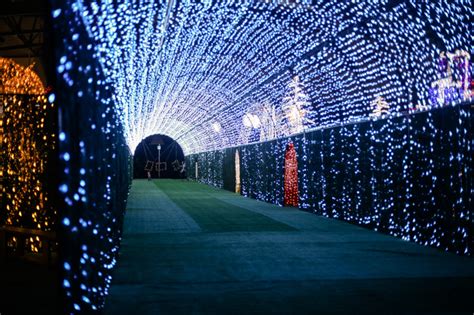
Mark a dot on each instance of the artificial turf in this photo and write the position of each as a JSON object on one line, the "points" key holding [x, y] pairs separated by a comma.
{"points": [[212, 214], [168, 264]]}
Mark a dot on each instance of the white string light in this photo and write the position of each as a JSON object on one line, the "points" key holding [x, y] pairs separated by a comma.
{"points": [[215, 74], [179, 68]]}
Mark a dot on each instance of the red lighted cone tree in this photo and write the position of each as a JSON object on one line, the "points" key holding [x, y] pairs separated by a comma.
{"points": [[291, 177]]}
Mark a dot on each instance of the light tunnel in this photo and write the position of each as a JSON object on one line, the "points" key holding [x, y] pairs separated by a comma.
{"points": [[218, 76], [167, 60], [356, 111]]}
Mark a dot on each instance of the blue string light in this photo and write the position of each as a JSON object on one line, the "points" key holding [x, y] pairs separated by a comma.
{"points": [[184, 68]]}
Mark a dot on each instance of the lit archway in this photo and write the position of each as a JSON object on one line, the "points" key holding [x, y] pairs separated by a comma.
{"points": [[291, 195], [28, 151]]}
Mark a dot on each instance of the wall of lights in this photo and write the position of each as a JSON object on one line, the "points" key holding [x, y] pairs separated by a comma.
{"points": [[28, 144], [213, 75], [95, 163], [409, 176]]}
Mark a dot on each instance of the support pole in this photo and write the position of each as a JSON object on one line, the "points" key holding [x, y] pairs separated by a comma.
{"points": [[159, 160]]}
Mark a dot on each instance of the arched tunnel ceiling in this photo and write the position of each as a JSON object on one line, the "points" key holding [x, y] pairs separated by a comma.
{"points": [[215, 74]]}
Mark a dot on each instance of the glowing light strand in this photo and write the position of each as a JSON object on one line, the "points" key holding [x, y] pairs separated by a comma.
{"points": [[180, 67]]}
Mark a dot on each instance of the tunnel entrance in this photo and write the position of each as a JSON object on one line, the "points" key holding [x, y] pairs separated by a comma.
{"points": [[160, 157]]}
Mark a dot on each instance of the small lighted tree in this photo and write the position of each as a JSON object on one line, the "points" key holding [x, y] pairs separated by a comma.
{"points": [[380, 106], [295, 107], [270, 122]]}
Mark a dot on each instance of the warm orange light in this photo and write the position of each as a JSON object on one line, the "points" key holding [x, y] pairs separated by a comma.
{"points": [[25, 147], [16, 79]]}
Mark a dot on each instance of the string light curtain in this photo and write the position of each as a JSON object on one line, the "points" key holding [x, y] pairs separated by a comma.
{"points": [[95, 167], [28, 143], [216, 74], [407, 176], [213, 75]]}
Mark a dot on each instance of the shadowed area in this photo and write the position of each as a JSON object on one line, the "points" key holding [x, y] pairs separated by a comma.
{"points": [[288, 261], [29, 288]]}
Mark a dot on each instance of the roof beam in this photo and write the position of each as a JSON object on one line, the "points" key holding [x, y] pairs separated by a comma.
{"points": [[14, 47], [21, 32]]}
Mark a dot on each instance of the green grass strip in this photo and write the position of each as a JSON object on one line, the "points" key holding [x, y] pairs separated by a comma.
{"points": [[212, 214]]}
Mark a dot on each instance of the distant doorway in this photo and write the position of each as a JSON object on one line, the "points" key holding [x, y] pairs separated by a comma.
{"points": [[158, 156], [237, 171], [291, 194]]}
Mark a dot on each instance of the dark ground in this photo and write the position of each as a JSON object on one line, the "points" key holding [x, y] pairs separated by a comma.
{"points": [[28, 288]]}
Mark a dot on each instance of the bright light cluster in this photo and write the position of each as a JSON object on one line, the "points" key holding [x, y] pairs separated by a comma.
{"points": [[26, 145], [15, 79], [96, 168], [216, 74]]}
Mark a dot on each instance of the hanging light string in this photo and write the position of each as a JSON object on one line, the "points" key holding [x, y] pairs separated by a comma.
{"points": [[168, 62]]}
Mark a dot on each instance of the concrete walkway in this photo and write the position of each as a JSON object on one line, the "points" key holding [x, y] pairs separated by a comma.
{"points": [[186, 251]]}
